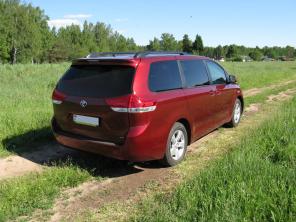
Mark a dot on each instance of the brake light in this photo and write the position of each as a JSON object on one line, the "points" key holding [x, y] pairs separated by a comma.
{"points": [[131, 104], [58, 97]]}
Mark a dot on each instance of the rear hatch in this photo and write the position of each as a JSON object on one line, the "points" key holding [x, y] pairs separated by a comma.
{"points": [[81, 96]]}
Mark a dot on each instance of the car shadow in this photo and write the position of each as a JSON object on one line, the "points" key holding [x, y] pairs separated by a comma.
{"points": [[39, 146], [28, 141]]}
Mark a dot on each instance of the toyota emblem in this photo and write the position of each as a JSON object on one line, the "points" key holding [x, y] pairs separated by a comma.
{"points": [[83, 103]]}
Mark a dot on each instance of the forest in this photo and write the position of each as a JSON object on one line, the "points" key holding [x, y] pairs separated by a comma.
{"points": [[25, 37]]}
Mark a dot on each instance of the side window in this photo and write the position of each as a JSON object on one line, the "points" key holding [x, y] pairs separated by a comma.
{"points": [[195, 72], [164, 76], [217, 73]]}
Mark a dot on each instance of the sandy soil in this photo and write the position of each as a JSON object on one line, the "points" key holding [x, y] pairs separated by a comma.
{"points": [[32, 162]]}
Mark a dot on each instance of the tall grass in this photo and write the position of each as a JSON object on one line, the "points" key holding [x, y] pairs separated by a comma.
{"points": [[255, 182], [258, 74], [25, 104], [23, 195]]}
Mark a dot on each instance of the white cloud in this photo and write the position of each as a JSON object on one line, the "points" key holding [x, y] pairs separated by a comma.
{"points": [[58, 23], [67, 20], [77, 16], [121, 20]]}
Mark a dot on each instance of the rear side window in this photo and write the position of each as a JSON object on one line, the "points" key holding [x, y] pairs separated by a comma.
{"points": [[195, 73], [97, 81], [164, 76], [217, 73]]}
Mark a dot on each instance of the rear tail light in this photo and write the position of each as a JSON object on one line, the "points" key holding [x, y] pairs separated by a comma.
{"points": [[131, 104], [58, 97]]}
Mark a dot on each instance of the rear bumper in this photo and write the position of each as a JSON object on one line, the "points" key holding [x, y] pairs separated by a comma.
{"points": [[135, 148]]}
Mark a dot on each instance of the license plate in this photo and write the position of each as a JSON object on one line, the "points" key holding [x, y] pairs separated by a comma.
{"points": [[86, 120]]}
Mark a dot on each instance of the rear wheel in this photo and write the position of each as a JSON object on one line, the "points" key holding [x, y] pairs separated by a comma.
{"points": [[236, 114], [176, 145]]}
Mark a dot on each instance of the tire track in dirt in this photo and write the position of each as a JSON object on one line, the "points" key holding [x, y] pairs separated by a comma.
{"points": [[256, 91], [94, 195], [123, 182]]}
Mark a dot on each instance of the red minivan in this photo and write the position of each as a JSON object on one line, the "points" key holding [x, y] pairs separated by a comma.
{"points": [[143, 106]]}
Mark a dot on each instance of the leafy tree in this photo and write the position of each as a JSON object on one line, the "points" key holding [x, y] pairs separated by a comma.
{"points": [[218, 52], [19, 31], [289, 51], [186, 44], [237, 59], [269, 52], [232, 51], [131, 45], [256, 55], [88, 37], [198, 45], [102, 33], [59, 52], [22, 29], [121, 43], [209, 52], [168, 42], [154, 45], [25, 37], [180, 45]]}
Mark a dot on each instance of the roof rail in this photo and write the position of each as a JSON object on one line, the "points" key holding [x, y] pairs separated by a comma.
{"points": [[109, 54], [157, 53], [134, 54]]}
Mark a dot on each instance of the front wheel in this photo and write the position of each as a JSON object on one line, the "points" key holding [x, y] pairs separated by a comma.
{"points": [[176, 145], [236, 114]]}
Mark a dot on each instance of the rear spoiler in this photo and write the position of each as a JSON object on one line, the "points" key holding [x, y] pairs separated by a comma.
{"points": [[106, 61]]}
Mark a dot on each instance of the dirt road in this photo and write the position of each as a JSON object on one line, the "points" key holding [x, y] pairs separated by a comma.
{"points": [[123, 182]]}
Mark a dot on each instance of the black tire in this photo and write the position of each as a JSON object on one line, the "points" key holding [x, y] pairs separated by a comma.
{"points": [[169, 158], [234, 120]]}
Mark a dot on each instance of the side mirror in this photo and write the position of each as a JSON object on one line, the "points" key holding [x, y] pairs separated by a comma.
{"points": [[232, 79]]}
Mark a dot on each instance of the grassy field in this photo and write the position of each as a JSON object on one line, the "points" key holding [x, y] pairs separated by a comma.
{"points": [[255, 182], [21, 196], [26, 104], [258, 74], [26, 97], [25, 123]]}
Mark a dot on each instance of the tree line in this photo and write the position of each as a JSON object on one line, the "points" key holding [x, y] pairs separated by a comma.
{"points": [[25, 37]]}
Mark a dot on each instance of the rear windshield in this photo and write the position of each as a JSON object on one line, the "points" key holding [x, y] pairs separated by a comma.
{"points": [[98, 81]]}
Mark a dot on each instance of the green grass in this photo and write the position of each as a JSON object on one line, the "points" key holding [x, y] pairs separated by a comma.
{"points": [[254, 182], [21, 196], [259, 74], [26, 104], [261, 97], [25, 122], [26, 97]]}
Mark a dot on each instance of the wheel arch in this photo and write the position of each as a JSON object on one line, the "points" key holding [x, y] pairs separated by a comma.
{"points": [[242, 102], [187, 126]]}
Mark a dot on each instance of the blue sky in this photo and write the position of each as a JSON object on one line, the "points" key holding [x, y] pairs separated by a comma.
{"points": [[250, 22]]}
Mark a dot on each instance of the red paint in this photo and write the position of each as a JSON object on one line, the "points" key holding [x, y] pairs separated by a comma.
{"points": [[143, 136]]}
